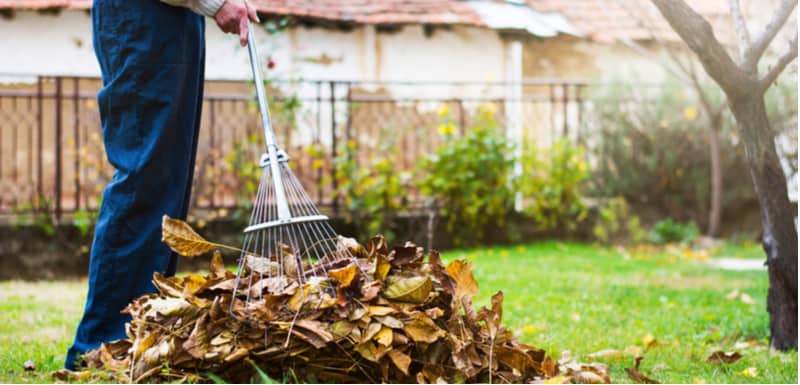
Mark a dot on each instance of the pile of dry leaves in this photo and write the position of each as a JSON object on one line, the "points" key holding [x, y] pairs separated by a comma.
{"points": [[396, 317]]}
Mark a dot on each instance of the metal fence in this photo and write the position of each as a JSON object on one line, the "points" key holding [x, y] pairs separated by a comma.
{"points": [[52, 157]]}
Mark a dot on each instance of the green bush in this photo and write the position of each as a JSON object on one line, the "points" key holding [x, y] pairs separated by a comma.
{"points": [[668, 231], [373, 192], [615, 223], [551, 185], [651, 148], [469, 179]]}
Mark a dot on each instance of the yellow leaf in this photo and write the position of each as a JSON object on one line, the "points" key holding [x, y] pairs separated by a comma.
{"points": [[461, 272], [556, 380], [412, 289], [344, 275], [649, 341], [142, 344], [384, 336], [749, 372], [400, 360], [182, 239], [381, 310], [606, 355], [382, 267], [422, 329], [342, 328]]}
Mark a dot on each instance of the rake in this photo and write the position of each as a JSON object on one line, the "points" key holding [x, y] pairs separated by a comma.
{"points": [[287, 240]]}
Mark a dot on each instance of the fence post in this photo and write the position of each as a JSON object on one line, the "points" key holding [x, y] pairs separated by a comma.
{"points": [[77, 139], [565, 108], [461, 118], [333, 149], [39, 133], [57, 144], [513, 112], [579, 101], [316, 141], [348, 133], [212, 123]]}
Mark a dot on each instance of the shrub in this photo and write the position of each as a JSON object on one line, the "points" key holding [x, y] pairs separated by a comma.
{"points": [[469, 179], [667, 231], [615, 223], [652, 149], [373, 192], [551, 185]]}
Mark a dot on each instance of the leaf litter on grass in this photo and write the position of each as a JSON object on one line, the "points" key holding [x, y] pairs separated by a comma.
{"points": [[405, 320]]}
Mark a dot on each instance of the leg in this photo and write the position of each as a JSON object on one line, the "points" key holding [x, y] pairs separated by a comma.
{"points": [[151, 58]]}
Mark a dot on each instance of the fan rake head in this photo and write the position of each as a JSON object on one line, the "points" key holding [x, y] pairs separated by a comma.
{"points": [[288, 241]]}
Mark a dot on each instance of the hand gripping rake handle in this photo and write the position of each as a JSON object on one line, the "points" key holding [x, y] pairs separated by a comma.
{"points": [[269, 135]]}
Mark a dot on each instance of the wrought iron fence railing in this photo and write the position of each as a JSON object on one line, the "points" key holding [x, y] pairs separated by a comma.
{"points": [[52, 159]]}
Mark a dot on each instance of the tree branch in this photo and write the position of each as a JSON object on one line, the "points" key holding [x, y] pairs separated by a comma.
{"points": [[788, 56], [754, 51], [699, 36], [741, 28]]}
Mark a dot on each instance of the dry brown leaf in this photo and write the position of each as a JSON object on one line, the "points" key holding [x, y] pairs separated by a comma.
{"points": [[380, 310], [606, 354], [720, 357], [344, 275], [197, 325], [400, 360], [461, 272], [182, 239], [423, 329], [637, 376]]}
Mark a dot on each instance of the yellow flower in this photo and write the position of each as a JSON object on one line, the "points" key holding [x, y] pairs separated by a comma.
{"points": [[447, 128], [488, 108], [679, 172], [749, 372], [351, 144], [690, 113], [444, 110]]}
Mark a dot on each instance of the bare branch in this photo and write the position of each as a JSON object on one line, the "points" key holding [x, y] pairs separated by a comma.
{"points": [[741, 28], [637, 13], [788, 56], [697, 33], [754, 52]]}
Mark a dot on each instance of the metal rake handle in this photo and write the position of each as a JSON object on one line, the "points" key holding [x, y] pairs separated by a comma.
{"points": [[269, 136]]}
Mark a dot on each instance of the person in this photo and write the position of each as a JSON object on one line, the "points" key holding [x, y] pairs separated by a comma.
{"points": [[151, 55]]}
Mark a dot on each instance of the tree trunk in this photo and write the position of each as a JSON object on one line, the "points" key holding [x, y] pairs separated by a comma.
{"points": [[715, 213], [779, 235]]}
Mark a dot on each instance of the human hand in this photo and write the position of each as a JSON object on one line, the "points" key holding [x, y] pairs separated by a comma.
{"points": [[232, 18]]}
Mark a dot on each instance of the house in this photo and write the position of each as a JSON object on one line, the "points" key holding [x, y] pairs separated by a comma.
{"points": [[360, 68]]}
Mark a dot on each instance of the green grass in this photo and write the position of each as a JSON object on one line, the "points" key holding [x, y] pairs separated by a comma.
{"points": [[558, 296], [581, 298]]}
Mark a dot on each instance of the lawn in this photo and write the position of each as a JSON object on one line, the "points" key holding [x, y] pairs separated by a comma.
{"points": [[558, 296]]}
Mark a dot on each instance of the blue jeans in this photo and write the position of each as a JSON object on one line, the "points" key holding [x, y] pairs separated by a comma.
{"points": [[152, 58]]}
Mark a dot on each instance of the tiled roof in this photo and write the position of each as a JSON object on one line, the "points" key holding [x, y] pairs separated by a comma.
{"points": [[355, 11], [600, 20], [610, 20], [45, 4], [375, 11]]}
